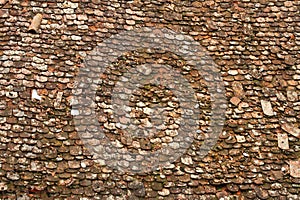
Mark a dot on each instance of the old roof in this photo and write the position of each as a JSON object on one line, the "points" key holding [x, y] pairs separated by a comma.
{"points": [[255, 46]]}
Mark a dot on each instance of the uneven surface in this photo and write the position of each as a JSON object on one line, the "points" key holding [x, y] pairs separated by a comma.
{"points": [[255, 44]]}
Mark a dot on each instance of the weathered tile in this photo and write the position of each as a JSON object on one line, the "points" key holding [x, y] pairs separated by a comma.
{"points": [[267, 107], [294, 168], [283, 141]]}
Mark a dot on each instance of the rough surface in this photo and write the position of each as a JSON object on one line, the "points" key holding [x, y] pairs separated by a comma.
{"points": [[256, 47]]}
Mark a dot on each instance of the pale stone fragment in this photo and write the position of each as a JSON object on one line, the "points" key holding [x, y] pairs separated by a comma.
{"points": [[294, 168], [283, 141], [267, 108], [291, 129]]}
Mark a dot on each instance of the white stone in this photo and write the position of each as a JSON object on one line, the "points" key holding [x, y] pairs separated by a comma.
{"points": [[179, 37], [41, 67], [35, 95], [83, 27], [98, 12], [288, 3], [172, 104], [146, 123], [18, 113], [121, 126], [26, 71], [71, 17]]}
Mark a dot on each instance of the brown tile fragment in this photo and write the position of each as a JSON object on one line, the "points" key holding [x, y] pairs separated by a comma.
{"points": [[235, 101]]}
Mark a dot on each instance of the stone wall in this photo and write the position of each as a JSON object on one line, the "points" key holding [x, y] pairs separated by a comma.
{"points": [[255, 46]]}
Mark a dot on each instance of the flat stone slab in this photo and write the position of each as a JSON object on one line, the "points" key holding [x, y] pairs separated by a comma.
{"points": [[267, 107], [294, 168]]}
